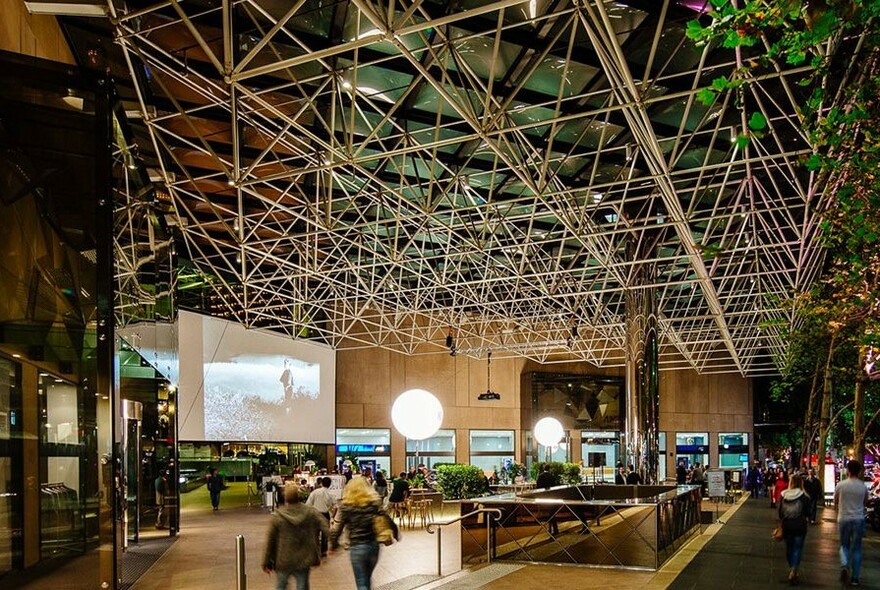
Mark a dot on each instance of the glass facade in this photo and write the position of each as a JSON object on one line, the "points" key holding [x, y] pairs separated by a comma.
{"points": [[580, 403], [733, 449], [10, 466], [62, 510], [492, 450], [440, 448], [369, 447], [692, 447], [57, 288]]}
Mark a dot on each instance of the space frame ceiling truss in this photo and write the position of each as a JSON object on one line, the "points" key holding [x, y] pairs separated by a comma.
{"points": [[389, 174]]}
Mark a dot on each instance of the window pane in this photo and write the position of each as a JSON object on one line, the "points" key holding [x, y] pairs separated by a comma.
{"points": [[363, 436], [490, 463], [497, 441], [443, 441]]}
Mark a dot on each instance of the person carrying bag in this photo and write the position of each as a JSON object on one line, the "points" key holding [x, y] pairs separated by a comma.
{"points": [[793, 512]]}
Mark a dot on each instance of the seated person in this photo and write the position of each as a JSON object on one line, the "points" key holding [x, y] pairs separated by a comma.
{"points": [[399, 489]]}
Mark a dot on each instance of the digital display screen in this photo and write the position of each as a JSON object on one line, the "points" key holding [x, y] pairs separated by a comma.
{"points": [[253, 385]]}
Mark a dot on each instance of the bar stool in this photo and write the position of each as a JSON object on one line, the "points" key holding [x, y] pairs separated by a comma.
{"points": [[398, 511], [420, 509]]}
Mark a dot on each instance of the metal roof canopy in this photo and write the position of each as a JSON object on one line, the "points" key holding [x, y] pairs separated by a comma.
{"points": [[388, 174]]}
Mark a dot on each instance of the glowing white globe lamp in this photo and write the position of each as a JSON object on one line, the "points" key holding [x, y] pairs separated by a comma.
{"points": [[548, 431], [417, 414]]}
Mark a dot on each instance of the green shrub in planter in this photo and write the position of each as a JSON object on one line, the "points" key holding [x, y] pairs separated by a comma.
{"points": [[562, 473], [460, 482]]}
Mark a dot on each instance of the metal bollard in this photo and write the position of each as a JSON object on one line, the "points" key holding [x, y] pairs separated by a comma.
{"points": [[240, 574], [439, 551]]}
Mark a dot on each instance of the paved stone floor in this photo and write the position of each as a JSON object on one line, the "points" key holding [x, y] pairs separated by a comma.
{"points": [[737, 554], [742, 555]]}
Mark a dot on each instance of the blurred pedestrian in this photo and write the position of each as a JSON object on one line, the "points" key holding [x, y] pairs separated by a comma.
{"points": [[360, 504], [292, 545]]}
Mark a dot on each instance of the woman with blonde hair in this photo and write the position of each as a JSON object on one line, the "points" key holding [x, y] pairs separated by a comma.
{"points": [[360, 505]]}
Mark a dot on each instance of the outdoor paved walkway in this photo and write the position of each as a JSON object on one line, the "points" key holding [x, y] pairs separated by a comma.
{"points": [[742, 555]]}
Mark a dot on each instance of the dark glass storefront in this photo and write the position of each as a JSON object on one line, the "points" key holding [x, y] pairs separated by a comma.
{"points": [[58, 462]]}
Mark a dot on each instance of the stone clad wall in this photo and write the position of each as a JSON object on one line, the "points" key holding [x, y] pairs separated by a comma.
{"points": [[33, 35], [368, 380]]}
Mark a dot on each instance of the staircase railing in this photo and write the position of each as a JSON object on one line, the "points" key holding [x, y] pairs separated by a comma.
{"points": [[439, 529]]}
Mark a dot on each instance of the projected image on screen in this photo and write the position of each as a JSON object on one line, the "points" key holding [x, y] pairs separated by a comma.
{"points": [[255, 396], [253, 385]]}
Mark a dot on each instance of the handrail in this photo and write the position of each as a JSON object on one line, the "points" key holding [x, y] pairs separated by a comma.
{"points": [[496, 512]]}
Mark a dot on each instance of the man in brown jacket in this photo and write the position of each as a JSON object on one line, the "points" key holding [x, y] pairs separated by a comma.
{"points": [[293, 543]]}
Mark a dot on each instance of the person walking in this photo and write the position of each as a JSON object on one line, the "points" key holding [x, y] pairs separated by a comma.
{"points": [[681, 474], [215, 485], [780, 485], [813, 488], [292, 546], [160, 487], [770, 485], [850, 497], [381, 486], [323, 501], [793, 512], [360, 504]]}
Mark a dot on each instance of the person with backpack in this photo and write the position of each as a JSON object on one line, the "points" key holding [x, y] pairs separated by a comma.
{"points": [[794, 514]]}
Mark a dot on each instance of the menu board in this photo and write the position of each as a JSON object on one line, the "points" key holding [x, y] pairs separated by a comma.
{"points": [[716, 484]]}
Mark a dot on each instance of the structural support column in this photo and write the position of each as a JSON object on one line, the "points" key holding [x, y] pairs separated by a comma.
{"points": [[642, 389]]}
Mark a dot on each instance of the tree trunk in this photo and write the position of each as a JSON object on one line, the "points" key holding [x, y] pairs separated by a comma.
{"points": [[859, 411], [807, 441], [824, 422]]}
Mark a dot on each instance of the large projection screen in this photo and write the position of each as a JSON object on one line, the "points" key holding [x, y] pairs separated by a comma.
{"points": [[253, 385]]}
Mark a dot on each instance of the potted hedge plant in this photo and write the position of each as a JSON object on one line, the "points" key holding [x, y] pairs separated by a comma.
{"points": [[460, 482]]}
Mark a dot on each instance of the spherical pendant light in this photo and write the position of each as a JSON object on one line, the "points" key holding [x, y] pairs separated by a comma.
{"points": [[417, 414], [548, 431]]}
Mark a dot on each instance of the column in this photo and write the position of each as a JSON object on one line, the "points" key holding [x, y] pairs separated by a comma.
{"points": [[641, 437]]}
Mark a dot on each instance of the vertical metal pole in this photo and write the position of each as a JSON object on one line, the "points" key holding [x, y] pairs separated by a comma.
{"points": [[240, 574], [439, 549], [488, 538]]}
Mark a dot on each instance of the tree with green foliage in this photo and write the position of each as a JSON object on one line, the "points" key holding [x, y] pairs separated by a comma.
{"points": [[837, 319]]}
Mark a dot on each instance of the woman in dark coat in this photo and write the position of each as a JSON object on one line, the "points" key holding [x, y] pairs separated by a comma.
{"points": [[292, 545], [793, 511]]}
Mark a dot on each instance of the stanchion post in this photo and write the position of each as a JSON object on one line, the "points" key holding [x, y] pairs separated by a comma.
{"points": [[240, 575], [488, 538], [439, 549]]}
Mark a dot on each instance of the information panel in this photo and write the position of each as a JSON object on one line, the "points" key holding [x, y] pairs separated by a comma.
{"points": [[715, 481]]}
